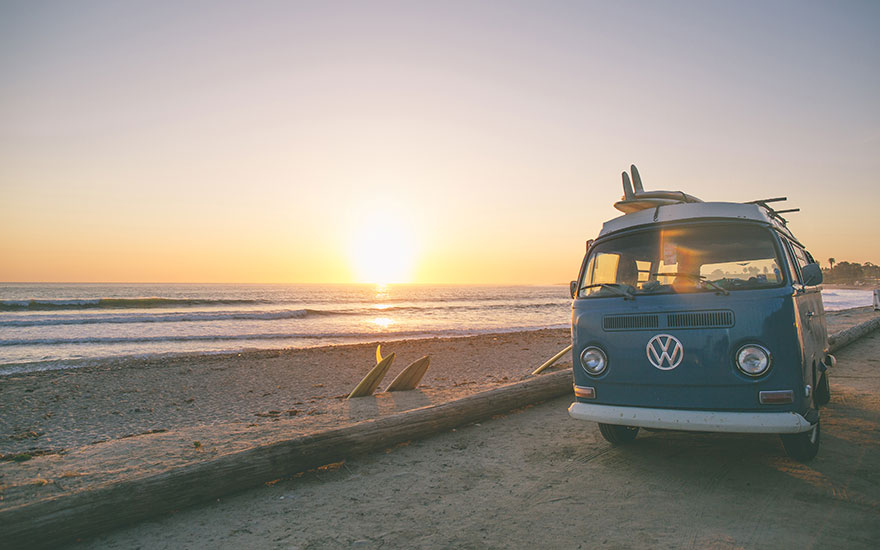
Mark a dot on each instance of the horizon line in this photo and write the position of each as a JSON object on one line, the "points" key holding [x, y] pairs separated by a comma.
{"points": [[271, 283]]}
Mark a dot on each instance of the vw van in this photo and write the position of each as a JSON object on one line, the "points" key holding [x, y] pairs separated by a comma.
{"points": [[699, 316]]}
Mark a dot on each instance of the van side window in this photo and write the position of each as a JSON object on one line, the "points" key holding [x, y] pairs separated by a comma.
{"points": [[792, 270], [801, 256]]}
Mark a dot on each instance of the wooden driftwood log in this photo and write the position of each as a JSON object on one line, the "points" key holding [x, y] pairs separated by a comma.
{"points": [[840, 340]]}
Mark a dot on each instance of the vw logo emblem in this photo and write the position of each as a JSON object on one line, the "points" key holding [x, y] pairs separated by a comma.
{"points": [[665, 351]]}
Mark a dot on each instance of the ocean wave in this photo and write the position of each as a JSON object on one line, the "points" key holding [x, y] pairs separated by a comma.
{"points": [[118, 303], [147, 339], [159, 318], [836, 299]]}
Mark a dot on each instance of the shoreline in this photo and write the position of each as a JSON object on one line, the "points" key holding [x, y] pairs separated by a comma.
{"points": [[845, 286], [10, 369], [23, 367]]}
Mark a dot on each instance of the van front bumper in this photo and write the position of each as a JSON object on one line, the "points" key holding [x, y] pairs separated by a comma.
{"points": [[695, 421]]}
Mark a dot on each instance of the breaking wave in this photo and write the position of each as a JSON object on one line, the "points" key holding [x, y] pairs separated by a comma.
{"points": [[158, 318], [116, 303]]}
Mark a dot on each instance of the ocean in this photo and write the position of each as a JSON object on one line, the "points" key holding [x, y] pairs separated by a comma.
{"points": [[51, 326], [58, 325]]}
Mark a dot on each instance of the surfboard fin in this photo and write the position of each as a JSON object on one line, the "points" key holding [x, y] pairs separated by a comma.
{"points": [[635, 198], [410, 377], [637, 179], [628, 194], [373, 378]]}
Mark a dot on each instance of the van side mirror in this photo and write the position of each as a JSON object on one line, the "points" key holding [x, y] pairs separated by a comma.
{"points": [[572, 288], [812, 274]]}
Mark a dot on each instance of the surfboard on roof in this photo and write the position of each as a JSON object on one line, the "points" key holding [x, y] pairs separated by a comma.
{"points": [[635, 197], [641, 207]]}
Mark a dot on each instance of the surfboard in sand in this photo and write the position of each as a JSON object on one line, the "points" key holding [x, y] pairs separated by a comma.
{"points": [[373, 378], [410, 377], [552, 360]]}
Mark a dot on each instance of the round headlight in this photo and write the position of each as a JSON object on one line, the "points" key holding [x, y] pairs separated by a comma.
{"points": [[594, 360], [753, 360]]}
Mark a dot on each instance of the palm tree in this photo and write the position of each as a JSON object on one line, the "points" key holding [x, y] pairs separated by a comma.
{"points": [[831, 261]]}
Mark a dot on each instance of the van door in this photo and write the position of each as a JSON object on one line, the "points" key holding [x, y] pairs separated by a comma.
{"points": [[811, 316]]}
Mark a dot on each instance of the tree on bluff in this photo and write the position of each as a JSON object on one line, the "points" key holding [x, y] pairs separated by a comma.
{"points": [[850, 272]]}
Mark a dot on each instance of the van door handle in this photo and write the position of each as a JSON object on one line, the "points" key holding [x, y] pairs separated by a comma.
{"points": [[810, 314]]}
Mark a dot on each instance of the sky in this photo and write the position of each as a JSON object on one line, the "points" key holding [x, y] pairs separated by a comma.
{"points": [[430, 142]]}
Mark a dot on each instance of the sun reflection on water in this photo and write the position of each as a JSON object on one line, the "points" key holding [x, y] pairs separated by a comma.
{"points": [[383, 322], [381, 291]]}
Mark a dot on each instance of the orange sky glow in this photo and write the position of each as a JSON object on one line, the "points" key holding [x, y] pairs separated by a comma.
{"points": [[414, 141]]}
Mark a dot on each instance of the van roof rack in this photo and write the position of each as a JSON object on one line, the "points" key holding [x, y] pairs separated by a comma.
{"points": [[636, 198], [772, 211]]}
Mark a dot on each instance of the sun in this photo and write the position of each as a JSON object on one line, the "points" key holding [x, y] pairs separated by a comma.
{"points": [[382, 251]]}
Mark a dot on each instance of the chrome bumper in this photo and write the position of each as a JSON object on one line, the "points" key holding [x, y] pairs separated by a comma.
{"points": [[695, 421]]}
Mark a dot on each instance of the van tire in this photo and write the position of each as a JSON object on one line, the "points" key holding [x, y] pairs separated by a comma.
{"points": [[803, 446], [618, 435], [823, 391]]}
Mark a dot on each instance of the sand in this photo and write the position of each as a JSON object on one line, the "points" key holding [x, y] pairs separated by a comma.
{"points": [[117, 420], [539, 479], [120, 419]]}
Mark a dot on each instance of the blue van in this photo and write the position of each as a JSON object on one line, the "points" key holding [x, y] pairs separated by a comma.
{"points": [[699, 316]]}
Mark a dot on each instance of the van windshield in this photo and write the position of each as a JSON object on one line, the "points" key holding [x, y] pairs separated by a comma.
{"points": [[694, 258]]}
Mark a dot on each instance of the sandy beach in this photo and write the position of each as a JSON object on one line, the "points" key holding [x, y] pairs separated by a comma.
{"points": [[538, 479], [117, 420]]}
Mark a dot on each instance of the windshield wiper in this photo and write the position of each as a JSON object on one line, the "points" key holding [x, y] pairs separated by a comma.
{"points": [[699, 278], [616, 287]]}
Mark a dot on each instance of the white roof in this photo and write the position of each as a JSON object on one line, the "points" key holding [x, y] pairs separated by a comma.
{"points": [[691, 211]]}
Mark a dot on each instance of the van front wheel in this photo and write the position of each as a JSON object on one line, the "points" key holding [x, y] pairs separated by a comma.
{"points": [[802, 446], [618, 435]]}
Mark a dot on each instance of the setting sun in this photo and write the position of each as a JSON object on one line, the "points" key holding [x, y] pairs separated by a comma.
{"points": [[382, 251]]}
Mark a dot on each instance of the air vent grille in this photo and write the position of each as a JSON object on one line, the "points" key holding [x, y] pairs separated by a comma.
{"points": [[630, 322], [700, 319]]}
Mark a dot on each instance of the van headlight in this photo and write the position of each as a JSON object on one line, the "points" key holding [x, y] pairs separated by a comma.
{"points": [[594, 360], [753, 360]]}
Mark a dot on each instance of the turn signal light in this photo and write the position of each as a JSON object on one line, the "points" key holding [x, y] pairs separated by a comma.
{"points": [[778, 397], [585, 392]]}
